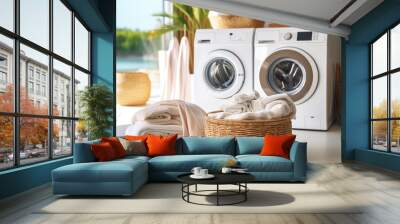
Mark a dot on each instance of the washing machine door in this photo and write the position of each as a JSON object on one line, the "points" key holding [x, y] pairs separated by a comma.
{"points": [[223, 73], [291, 71]]}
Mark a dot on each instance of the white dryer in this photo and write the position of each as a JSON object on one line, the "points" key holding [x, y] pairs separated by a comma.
{"points": [[302, 64], [223, 66]]}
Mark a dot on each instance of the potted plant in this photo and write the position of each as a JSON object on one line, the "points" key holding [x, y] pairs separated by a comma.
{"points": [[96, 103]]}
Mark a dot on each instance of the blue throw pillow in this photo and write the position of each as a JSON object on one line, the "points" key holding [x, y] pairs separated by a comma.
{"points": [[249, 145], [208, 145]]}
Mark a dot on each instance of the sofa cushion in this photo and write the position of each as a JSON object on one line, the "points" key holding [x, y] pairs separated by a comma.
{"points": [[185, 163], [116, 145], [208, 145], [83, 152], [257, 163], [277, 145], [161, 145], [134, 147], [112, 171], [103, 152], [249, 145]]}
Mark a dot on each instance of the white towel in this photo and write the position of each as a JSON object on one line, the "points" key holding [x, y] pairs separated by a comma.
{"points": [[236, 107], [170, 112], [261, 103], [241, 103], [182, 89], [170, 70], [253, 107], [145, 128], [246, 98]]}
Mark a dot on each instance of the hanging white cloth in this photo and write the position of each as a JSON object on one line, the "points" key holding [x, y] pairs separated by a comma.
{"points": [[182, 86], [168, 75]]}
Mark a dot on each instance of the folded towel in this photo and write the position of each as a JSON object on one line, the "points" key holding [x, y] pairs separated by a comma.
{"points": [[145, 128], [158, 114], [189, 116]]}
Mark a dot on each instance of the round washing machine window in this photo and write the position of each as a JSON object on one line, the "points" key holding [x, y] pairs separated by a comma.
{"points": [[220, 74], [223, 74], [286, 75], [290, 71]]}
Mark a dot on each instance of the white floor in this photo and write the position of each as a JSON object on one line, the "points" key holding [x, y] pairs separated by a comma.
{"points": [[322, 146]]}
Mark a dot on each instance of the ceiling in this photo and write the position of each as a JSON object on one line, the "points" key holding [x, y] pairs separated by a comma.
{"points": [[320, 9], [328, 16]]}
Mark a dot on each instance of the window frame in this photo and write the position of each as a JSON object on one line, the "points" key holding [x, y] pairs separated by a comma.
{"points": [[16, 115], [388, 74]]}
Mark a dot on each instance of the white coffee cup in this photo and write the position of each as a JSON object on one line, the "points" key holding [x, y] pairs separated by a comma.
{"points": [[226, 170], [203, 172], [196, 171]]}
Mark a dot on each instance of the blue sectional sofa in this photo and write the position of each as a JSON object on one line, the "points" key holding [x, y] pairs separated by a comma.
{"points": [[125, 176]]}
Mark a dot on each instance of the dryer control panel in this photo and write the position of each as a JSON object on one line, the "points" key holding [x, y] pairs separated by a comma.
{"points": [[274, 35]]}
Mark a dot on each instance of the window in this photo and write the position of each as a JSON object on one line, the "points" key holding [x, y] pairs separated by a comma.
{"points": [[62, 137], [3, 61], [30, 87], [385, 94], [3, 78], [37, 89], [7, 14], [62, 29], [6, 142], [81, 45], [62, 74], [37, 75], [34, 21], [44, 91], [47, 76], [6, 73], [81, 81], [30, 72]]}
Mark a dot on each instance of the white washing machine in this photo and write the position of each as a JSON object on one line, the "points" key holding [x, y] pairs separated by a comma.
{"points": [[302, 64], [223, 66]]}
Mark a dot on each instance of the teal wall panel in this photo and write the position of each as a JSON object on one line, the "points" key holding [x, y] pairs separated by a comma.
{"points": [[355, 119], [24, 178]]}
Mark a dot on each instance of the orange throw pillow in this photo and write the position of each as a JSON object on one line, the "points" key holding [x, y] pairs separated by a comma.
{"points": [[136, 138], [116, 145], [103, 152], [277, 145], [161, 145]]}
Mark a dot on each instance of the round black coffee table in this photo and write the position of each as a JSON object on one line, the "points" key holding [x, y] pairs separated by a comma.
{"points": [[238, 179]]}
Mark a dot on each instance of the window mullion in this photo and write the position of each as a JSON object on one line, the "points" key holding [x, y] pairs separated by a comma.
{"points": [[16, 85], [389, 101], [73, 81], [50, 80]]}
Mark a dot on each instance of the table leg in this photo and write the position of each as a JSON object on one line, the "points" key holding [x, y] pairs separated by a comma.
{"points": [[245, 193], [188, 190], [217, 194]]}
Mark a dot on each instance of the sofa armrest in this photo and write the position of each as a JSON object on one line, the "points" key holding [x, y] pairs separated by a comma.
{"points": [[83, 152], [298, 155]]}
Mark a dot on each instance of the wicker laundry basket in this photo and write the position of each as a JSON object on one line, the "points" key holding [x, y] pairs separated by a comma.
{"points": [[224, 21], [222, 127]]}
